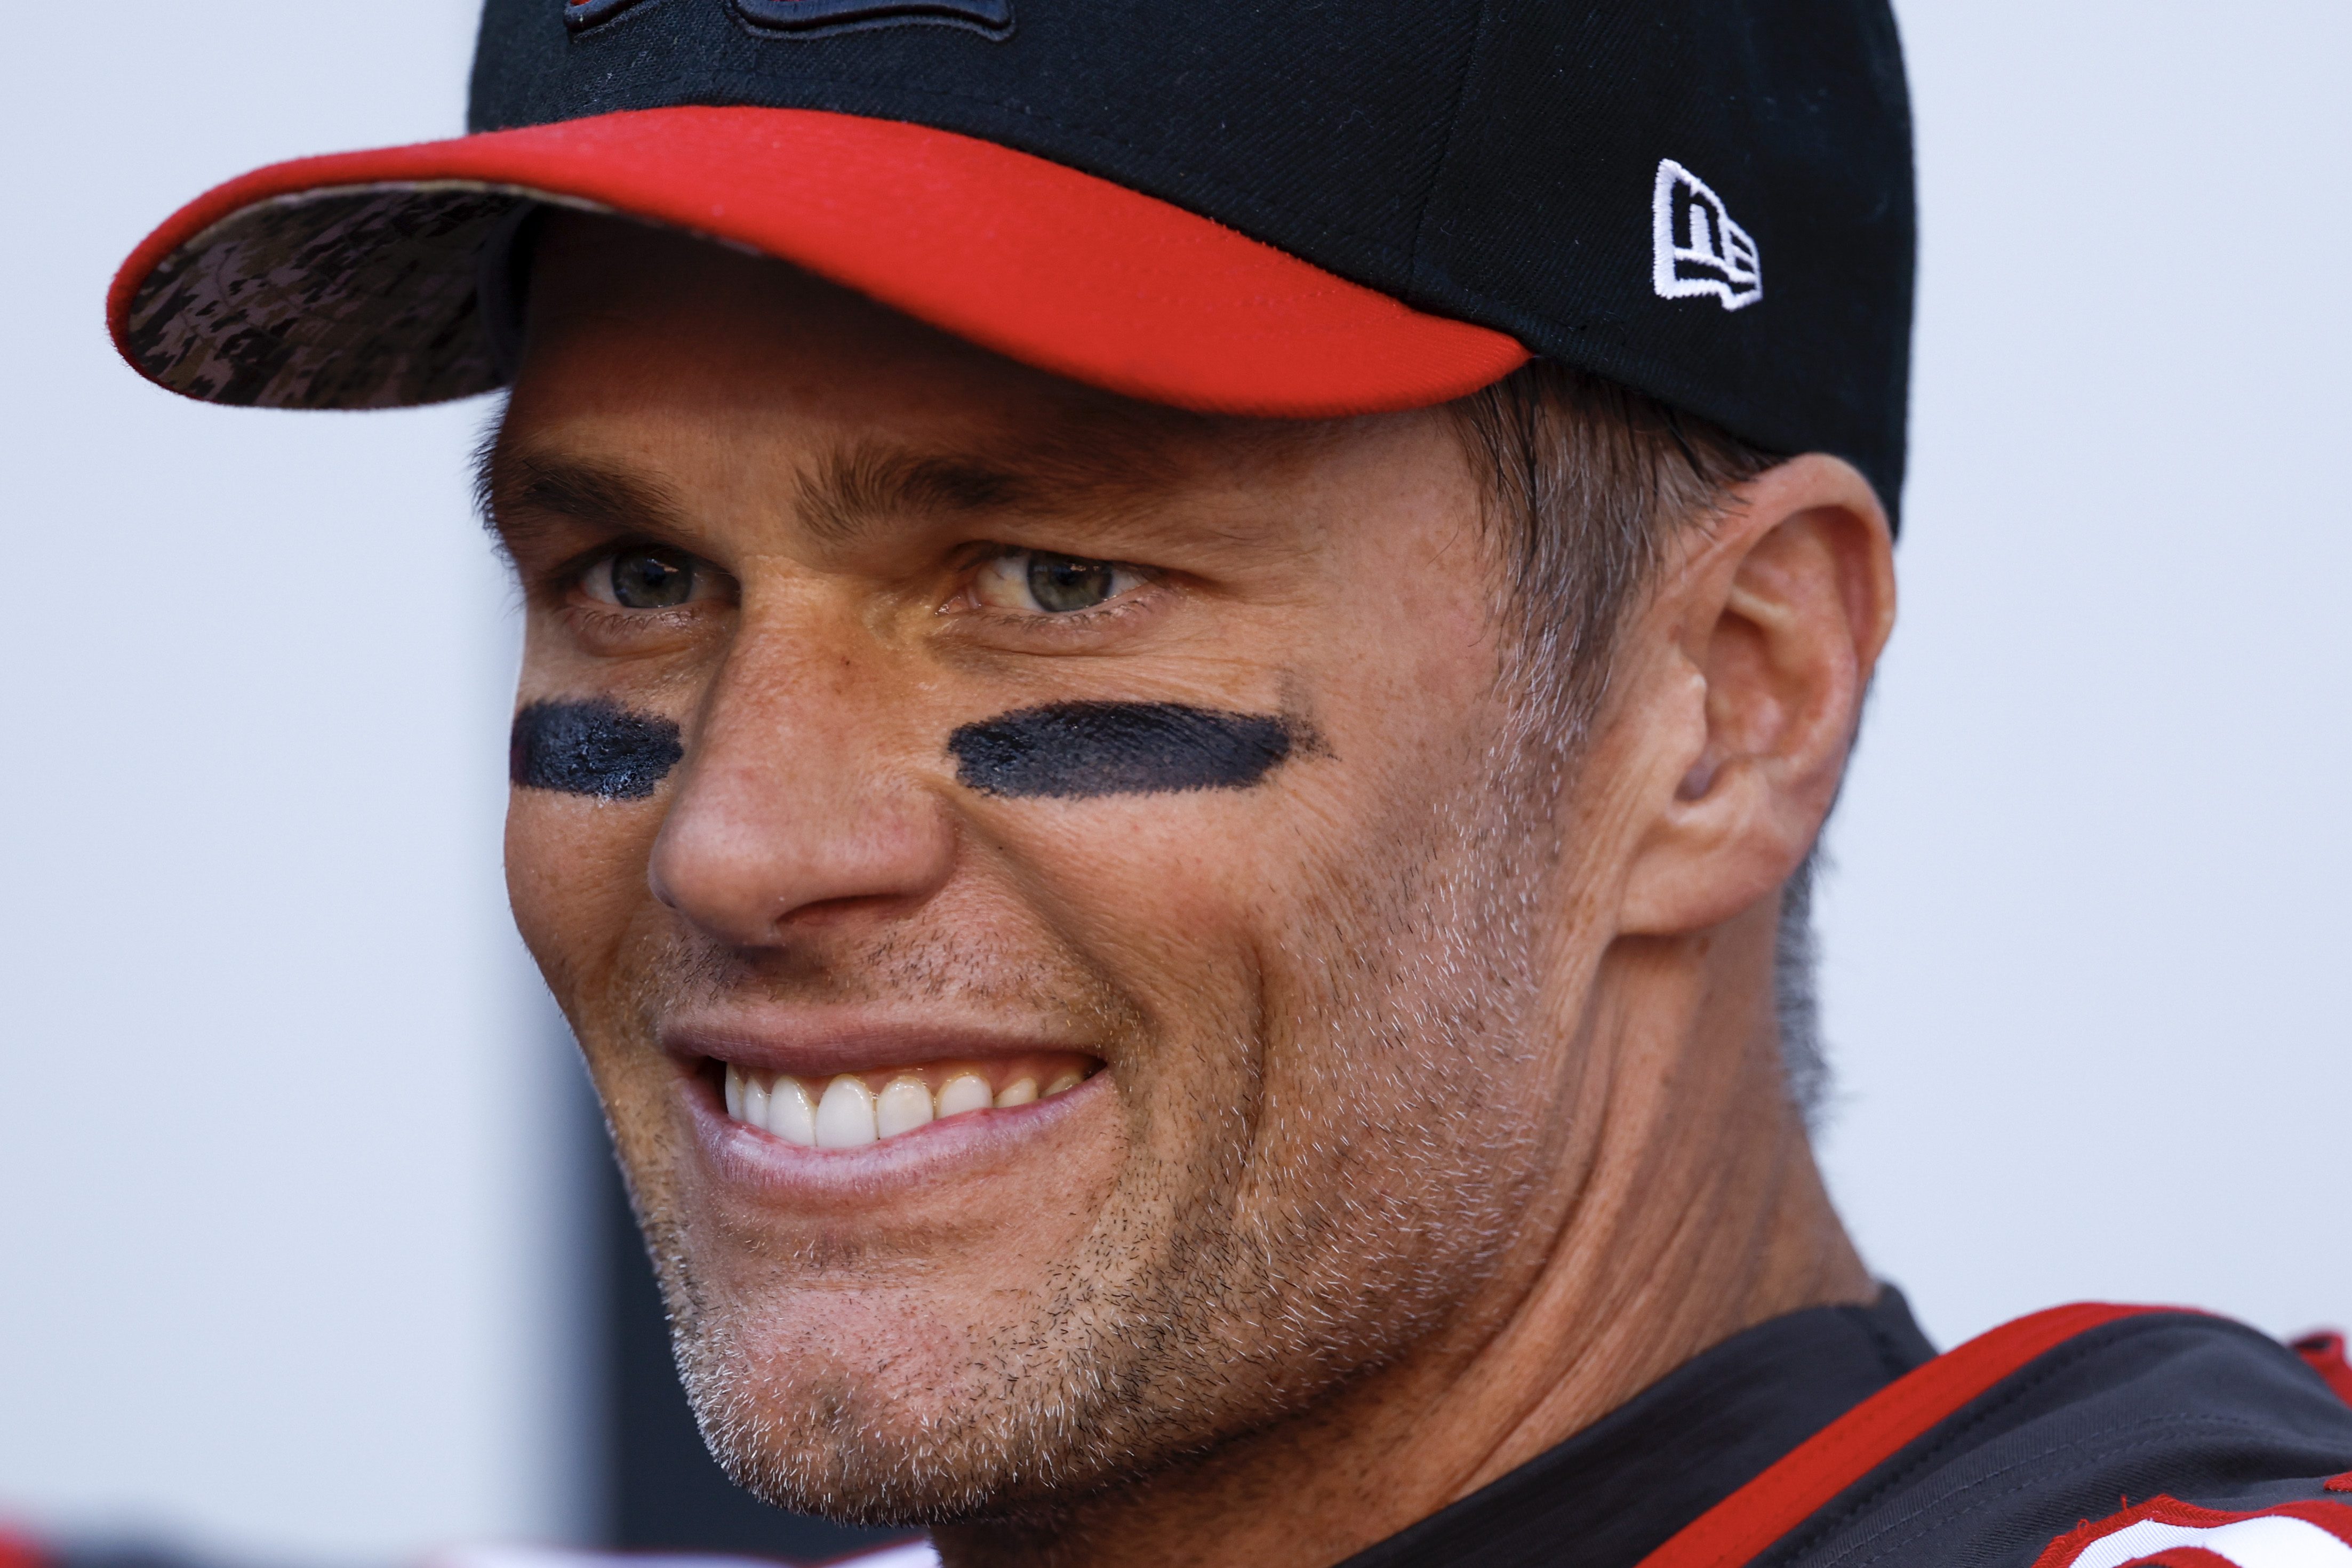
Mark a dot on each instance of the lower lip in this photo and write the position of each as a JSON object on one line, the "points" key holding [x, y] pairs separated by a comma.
{"points": [[746, 1157]]}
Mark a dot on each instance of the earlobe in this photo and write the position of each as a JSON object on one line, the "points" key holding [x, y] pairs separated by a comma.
{"points": [[1775, 615]]}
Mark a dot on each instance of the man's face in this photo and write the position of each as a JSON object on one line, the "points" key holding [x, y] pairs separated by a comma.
{"points": [[1023, 735]]}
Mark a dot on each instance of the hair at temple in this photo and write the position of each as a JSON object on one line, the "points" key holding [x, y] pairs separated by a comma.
{"points": [[1586, 481]]}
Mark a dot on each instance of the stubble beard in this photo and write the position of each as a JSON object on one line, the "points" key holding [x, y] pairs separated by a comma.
{"points": [[1325, 1219]]}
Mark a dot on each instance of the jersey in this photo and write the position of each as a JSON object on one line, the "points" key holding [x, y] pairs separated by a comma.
{"points": [[2084, 1436]]}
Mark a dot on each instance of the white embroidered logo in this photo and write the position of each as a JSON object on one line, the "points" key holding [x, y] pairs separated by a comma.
{"points": [[1695, 247], [2259, 1542]]}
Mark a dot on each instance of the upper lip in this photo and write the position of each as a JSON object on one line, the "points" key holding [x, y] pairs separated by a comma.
{"points": [[819, 1041]]}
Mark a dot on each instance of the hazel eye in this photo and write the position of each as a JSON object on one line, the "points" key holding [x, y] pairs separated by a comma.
{"points": [[1041, 584], [647, 577]]}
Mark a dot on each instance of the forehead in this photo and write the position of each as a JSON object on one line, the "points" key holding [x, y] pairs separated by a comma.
{"points": [[633, 325]]}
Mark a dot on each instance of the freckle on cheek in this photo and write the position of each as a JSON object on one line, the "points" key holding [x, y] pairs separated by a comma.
{"points": [[1076, 751], [595, 748]]}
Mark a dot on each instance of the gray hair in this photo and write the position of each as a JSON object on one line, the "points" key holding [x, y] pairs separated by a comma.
{"points": [[1796, 994]]}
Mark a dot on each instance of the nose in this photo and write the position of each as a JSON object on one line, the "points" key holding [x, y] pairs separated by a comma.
{"points": [[796, 808]]}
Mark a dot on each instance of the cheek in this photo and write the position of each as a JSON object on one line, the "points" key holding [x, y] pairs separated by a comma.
{"points": [[1191, 903], [576, 877]]}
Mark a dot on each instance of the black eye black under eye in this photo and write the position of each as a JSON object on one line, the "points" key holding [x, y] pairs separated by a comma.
{"points": [[649, 578], [1062, 584]]}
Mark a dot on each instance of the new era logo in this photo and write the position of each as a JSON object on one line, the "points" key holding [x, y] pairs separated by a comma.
{"points": [[1695, 247]]}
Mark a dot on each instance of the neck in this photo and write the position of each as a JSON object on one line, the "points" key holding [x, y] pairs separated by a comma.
{"points": [[1689, 1208]]}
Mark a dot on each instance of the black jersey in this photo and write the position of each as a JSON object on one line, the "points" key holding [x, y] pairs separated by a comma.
{"points": [[1837, 1438], [2084, 1436]]}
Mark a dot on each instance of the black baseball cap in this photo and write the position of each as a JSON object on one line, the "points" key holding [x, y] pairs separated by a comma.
{"points": [[1303, 208]]}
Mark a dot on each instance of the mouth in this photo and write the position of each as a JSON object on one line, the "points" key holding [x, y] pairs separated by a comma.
{"points": [[851, 1109]]}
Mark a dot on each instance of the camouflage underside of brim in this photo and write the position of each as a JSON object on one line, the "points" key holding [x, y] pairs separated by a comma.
{"points": [[358, 297]]}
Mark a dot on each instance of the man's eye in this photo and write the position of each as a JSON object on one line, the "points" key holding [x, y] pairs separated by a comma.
{"points": [[645, 577], [1039, 584]]}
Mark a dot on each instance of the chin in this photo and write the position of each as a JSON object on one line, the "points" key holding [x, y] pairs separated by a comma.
{"points": [[902, 1425]]}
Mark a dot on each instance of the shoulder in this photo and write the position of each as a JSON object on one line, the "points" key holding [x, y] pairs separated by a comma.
{"points": [[2103, 1450]]}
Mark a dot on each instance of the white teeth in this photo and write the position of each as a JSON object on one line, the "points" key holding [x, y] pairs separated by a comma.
{"points": [[790, 1117], [845, 1116], [902, 1106], [965, 1091], [849, 1115]]}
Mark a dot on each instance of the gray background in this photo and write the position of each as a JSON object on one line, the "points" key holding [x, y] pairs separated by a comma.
{"points": [[287, 1256]]}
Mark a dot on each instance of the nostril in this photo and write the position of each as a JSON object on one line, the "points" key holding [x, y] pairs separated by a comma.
{"points": [[847, 910], [660, 884]]}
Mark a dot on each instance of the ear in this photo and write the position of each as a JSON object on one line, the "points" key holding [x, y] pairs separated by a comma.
{"points": [[1754, 656]]}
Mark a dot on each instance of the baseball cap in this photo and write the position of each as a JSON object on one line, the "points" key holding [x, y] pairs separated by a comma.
{"points": [[1290, 208]]}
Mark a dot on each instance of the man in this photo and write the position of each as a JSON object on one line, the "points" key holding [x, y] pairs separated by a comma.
{"points": [[1175, 709]]}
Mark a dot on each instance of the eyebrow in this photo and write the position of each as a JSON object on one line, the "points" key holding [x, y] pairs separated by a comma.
{"points": [[511, 487]]}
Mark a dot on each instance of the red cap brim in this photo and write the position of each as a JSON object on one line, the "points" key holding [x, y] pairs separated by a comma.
{"points": [[349, 280]]}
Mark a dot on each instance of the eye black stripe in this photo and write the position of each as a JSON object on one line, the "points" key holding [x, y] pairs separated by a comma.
{"points": [[594, 747], [1069, 750]]}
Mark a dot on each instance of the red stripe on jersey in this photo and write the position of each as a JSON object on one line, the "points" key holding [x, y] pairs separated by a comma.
{"points": [[2324, 1352], [1850, 1447]]}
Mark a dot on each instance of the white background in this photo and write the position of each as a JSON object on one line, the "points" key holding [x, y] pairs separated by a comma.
{"points": [[276, 1244], [2090, 950], [280, 1266]]}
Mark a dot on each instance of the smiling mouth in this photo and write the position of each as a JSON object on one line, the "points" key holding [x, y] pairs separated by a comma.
{"points": [[849, 1110]]}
